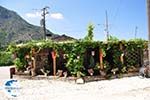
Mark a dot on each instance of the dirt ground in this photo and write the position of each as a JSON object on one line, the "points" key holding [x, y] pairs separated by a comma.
{"points": [[129, 88]]}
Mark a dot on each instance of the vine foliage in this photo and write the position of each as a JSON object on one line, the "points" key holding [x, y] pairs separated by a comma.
{"points": [[75, 52]]}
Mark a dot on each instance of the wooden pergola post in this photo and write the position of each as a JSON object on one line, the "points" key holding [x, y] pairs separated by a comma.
{"points": [[33, 64], [54, 62], [121, 56], [101, 59]]}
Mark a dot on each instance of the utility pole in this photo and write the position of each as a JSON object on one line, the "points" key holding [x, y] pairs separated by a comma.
{"points": [[136, 28], [148, 14], [106, 25], [44, 13]]}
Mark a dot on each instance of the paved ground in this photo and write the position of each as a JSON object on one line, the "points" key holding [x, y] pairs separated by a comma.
{"points": [[129, 88], [4, 73]]}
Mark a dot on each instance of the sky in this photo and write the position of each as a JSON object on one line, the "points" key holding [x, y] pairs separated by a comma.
{"points": [[71, 17]]}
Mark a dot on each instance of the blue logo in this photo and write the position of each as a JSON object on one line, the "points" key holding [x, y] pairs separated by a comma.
{"points": [[11, 87]]}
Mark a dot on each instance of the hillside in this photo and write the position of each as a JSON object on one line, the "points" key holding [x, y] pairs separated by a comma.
{"points": [[13, 28]]}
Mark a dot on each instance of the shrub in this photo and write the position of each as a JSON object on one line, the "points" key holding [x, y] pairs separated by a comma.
{"points": [[5, 58], [19, 64]]}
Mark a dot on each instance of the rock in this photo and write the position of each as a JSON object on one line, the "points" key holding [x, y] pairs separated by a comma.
{"points": [[102, 73], [90, 71], [59, 73], [26, 72], [80, 81], [144, 72]]}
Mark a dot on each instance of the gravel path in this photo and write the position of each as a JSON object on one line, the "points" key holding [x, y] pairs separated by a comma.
{"points": [[131, 88]]}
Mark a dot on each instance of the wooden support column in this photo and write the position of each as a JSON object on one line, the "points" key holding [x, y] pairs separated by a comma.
{"points": [[121, 56], [54, 62], [101, 59], [34, 67], [33, 63]]}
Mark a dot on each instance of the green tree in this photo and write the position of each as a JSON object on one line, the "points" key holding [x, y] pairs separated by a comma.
{"points": [[90, 33], [113, 39]]}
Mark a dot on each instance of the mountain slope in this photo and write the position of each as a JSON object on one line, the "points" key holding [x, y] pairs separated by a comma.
{"points": [[13, 28]]}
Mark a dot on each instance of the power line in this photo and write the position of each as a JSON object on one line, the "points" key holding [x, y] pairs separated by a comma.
{"points": [[117, 10], [116, 13]]}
